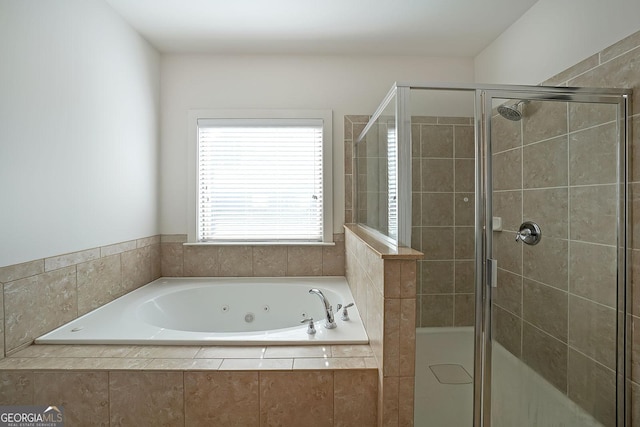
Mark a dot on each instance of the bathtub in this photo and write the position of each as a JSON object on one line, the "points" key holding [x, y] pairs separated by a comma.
{"points": [[218, 311]]}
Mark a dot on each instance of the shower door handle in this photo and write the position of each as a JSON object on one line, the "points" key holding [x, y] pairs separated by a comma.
{"points": [[529, 233]]}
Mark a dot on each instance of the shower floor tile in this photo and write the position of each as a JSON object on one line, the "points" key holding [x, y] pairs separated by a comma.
{"points": [[451, 374]]}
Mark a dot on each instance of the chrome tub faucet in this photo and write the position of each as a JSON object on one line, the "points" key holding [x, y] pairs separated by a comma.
{"points": [[330, 322]]}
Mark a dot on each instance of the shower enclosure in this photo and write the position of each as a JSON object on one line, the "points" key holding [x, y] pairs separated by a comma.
{"points": [[518, 197]]}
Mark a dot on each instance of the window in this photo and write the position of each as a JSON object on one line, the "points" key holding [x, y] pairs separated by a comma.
{"points": [[262, 179]]}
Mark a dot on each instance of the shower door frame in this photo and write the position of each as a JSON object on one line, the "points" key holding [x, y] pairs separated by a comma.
{"points": [[484, 276], [483, 243]]}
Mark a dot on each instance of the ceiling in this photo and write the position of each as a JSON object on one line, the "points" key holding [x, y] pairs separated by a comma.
{"points": [[460, 28]]}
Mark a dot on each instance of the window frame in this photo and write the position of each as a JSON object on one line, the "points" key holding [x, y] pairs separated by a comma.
{"points": [[327, 168]]}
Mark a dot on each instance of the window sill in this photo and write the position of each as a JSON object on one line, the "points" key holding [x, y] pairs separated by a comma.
{"points": [[243, 243]]}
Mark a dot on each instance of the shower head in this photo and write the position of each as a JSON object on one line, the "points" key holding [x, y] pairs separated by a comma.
{"points": [[511, 110]]}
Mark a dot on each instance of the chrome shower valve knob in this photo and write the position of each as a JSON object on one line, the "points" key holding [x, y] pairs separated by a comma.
{"points": [[345, 312], [311, 330]]}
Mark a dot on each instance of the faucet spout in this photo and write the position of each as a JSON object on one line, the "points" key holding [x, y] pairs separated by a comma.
{"points": [[330, 322]]}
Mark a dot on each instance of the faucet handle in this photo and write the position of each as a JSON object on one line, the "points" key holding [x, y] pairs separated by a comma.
{"points": [[345, 313], [311, 330]]}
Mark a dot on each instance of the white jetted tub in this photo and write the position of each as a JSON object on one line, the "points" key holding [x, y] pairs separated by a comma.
{"points": [[219, 311]]}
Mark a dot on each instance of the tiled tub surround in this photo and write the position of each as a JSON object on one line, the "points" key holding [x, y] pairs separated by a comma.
{"points": [[40, 295], [383, 283], [197, 386], [442, 155]]}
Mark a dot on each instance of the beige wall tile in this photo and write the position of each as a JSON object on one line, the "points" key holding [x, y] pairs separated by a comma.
{"points": [[635, 348], [224, 352], [622, 46], [507, 252], [146, 398], [351, 407], [545, 355], [546, 308], [592, 330], [391, 337], [221, 399], [172, 255], [304, 261], [297, 351], [464, 142], [235, 261], [545, 164], [621, 71], [184, 364], [21, 271], [593, 387], [16, 387], [464, 277], [508, 206], [38, 304], [117, 248], [99, 282], [137, 268], [148, 241], [593, 214], [408, 274], [436, 310], [634, 195], [84, 395], [201, 261], [505, 134], [464, 175], [547, 262], [438, 243], [163, 351], [464, 209], [392, 272], [436, 141], [374, 322], [269, 261], [593, 143], [464, 310], [61, 261], [347, 350], [508, 293], [437, 277], [508, 330], [437, 209], [333, 259], [390, 402], [406, 387], [507, 170], [296, 398], [593, 272], [407, 350], [464, 243], [549, 209], [543, 120], [447, 120], [437, 175]]}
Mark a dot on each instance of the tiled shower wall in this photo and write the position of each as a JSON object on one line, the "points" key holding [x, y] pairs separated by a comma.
{"points": [[40, 295], [442, 154], [555, 307]]}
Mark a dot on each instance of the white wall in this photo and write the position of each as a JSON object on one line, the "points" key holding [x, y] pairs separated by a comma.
{"points": [[554, 35], [347, 85], [78, 129]]}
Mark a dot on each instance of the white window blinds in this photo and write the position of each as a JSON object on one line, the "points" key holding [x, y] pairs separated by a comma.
{"points": [[260, 180]]}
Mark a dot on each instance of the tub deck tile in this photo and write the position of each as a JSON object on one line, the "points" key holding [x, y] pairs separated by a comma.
{"points": [[256, 364], [296, 351], [184, 364], [234, 352], [318, 363]]}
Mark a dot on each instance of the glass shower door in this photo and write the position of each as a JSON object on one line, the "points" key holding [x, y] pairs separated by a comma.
{"points": [[554, 214]]}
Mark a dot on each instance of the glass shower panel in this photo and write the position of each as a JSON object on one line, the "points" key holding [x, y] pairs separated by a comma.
{"points": [[376, 169], [442, 159], [553, 313]]}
